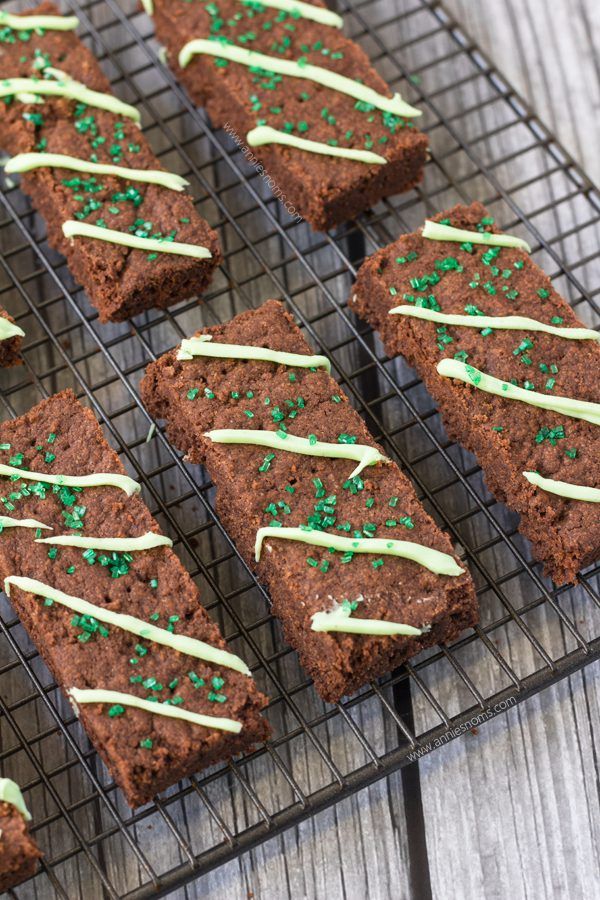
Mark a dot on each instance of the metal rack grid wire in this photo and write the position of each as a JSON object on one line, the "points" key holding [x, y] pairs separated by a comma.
{"points": [[531, 633]]}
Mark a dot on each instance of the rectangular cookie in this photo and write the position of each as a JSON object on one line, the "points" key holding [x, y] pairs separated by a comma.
{"points": [[323, 189], [19, 853], [83, 645], [508, 435], [318, 496], [11, 338], [121, 281]]}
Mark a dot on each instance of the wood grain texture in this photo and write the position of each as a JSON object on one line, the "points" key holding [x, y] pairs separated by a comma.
{"points": [[550, 52]]}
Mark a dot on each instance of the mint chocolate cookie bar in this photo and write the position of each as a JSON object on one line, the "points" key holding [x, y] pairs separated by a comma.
{"points": [[19, 854], [129, 231], [114, 614], [305, 100], [358, 573], [512, 369], [11, 338]]}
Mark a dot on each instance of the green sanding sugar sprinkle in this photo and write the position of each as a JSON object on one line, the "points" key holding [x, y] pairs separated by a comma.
{"points": [[266, 463], [89, 627], [552, 435], [349, 605], [116, 710], [410, 257], [214, 697], [571, 453], [193, 393], [146, 744], [354, 485], [196, 681]]}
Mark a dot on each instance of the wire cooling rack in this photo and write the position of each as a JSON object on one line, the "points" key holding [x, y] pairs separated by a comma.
{"points": [[486, 144]]}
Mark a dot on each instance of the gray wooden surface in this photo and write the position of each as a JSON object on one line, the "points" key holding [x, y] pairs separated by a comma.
{"points": [[513, 811]]}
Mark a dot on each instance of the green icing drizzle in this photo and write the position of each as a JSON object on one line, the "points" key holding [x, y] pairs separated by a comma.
{"points": [[80, 696], [515, 323], [362, 453], [71, 90], [434, 560], [8, 329], [301, 10], [25, 162], [564, 488], [577, 409], [146, 630], [341, 619], [202, 346], [264, 134], [72, 229], [48, 23], [296, 69], [10, 792], [119, 545], [97, 479], [435, 231], [9, 522]]}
